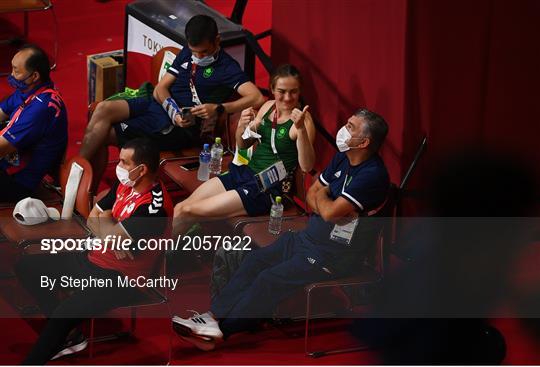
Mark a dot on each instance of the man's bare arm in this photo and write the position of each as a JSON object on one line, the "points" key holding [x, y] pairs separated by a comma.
{"points": [[333, 210], [250, 96], [311, 194]]}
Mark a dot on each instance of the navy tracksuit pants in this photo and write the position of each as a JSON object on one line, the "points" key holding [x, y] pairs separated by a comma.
{"points": [[265, 278]]}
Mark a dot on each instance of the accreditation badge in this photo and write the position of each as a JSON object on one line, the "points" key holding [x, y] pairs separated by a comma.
{"points": [[343, 233]]}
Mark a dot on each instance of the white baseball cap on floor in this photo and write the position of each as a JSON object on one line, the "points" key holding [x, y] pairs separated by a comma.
{"points": [[32, 211]]}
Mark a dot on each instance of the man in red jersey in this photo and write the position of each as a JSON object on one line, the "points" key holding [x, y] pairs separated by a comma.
{"points": [[136, 207]]}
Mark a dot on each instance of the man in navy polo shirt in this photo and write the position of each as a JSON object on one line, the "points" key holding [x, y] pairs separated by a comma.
{"points": [[353, 186], [202, 78], [33, 137]]}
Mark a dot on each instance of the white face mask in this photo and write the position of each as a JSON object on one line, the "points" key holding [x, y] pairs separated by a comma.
{"points": [[205, 61], [123, 176], [342, 137]]}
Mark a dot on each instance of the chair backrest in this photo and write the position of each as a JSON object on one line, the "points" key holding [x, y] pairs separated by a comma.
{"points": [[379, 257], [161, 61], [83, 201], [11, 6]]}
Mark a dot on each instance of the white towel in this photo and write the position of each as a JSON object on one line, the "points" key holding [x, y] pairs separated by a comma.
{"points": [[248, 133], [72, 187]]}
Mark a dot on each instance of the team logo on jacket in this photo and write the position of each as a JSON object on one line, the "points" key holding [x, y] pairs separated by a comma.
{"points": [[157, 202], [207, 73]]}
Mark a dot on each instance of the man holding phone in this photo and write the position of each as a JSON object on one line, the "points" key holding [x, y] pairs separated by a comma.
{"points": [[187, 115], [187, 100]]}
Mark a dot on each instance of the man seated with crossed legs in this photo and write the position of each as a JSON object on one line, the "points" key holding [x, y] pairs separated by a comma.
{"points": [[333, 245]]}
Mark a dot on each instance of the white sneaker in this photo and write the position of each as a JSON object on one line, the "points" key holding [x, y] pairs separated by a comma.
{"points": [[203, 326], [72, 346]]}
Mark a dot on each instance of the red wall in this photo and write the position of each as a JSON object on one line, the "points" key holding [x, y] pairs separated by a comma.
{"points": [[351, 54], [460, 72], [257, 19]]}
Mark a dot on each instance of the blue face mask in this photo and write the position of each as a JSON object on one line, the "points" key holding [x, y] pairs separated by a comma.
{"points": [[18, 84], [204, 61]]}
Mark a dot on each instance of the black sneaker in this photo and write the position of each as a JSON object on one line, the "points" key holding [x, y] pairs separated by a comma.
{"points": [[73, 345]]}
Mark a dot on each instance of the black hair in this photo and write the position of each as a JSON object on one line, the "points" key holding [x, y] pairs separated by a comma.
{"points": [[375, 128], [37, 61], [201, 28], [144, 152]]}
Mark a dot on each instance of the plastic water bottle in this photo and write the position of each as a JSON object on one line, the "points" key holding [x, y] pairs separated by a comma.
{"points": [[217, 156], [203, 174], [276, 216]]}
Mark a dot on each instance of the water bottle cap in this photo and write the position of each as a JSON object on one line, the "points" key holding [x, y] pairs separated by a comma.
{"points": [[218, 140], [278, 199], [205, 146]]}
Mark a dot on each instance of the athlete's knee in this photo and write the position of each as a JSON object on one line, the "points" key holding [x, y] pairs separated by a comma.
{"points": [[106, 112], [104, 107], [182, 210]]}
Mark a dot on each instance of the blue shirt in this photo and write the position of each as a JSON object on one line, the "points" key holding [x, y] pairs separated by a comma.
{"points": [[365, 186], [214, 83], [39, 135]]}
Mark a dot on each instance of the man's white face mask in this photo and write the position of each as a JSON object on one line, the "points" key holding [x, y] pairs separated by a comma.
{"points": [[342, 138], [123, 176], [204, 61]]}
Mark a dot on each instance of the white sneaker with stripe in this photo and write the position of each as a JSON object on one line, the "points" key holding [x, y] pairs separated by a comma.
{"points": [[203, 326]]}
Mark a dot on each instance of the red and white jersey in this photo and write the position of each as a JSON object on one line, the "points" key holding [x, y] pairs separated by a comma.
{"points": [[144, 214]]}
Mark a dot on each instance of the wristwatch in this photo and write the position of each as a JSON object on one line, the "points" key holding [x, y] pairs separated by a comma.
{"points": [[220, 109]]}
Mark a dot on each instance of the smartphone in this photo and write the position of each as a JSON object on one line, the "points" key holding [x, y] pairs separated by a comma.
{"points": [[186, 111], [191, 166]]}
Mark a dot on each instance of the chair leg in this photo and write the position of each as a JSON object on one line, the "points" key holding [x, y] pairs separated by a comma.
{"points": [[308, 313], [91, 340], [317, 354], [170, 344], [170, 328], [133, 320]]}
